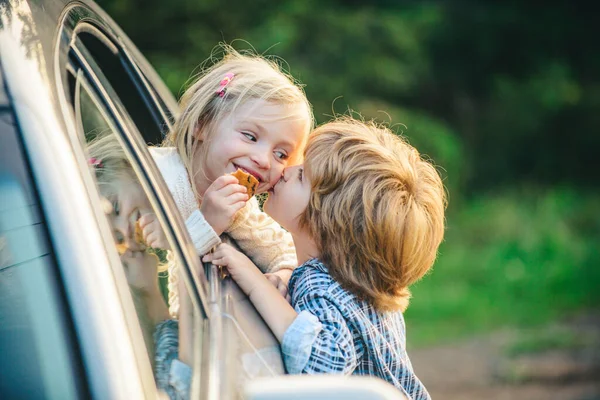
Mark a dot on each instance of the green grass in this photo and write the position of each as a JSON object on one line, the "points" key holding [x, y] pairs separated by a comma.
{"points": [[510, 259]]}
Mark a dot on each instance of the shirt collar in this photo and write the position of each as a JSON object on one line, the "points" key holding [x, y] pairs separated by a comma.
{"points": [[316, 264]]}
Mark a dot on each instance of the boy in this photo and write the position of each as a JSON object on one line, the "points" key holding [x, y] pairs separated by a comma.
{"points": [[366, 213]]}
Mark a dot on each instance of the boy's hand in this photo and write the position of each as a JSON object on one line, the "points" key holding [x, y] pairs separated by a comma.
{"points": [[221, 201], [280, 285], [152, 232], [241, 268]]}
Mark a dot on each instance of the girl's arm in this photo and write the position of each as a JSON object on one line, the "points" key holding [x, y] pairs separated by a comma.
{"points": [[176, 177]]}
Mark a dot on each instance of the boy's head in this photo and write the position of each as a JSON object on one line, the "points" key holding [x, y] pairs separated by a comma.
{"points": [[375, 210]]}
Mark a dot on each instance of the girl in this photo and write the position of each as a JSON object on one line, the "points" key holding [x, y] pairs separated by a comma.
{"points": [[243, 112], [125, 204], [367, 217]]}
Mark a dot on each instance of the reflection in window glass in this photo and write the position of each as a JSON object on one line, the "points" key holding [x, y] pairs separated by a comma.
{"points": [[138, 235]]}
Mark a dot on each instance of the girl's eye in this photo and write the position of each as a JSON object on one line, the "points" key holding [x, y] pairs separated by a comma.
{"points": [[281, 155], [249, 136]]}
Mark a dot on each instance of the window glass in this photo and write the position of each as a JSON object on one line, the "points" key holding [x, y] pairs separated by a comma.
{"points": [[38, 351], [128, 85], [139, 235]]}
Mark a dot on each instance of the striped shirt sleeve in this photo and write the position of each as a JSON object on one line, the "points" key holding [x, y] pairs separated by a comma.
{"points": [[319, 340]]}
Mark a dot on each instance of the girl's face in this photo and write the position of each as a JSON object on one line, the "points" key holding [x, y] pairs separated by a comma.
{"points": [[289, 198], [128, 203], [141, 269], [255, 138]]}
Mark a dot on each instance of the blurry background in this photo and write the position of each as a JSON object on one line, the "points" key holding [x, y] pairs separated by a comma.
{"points": [[505, 98]]}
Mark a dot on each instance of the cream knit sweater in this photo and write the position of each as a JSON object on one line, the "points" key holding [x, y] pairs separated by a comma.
{"points": [[262, 239]]}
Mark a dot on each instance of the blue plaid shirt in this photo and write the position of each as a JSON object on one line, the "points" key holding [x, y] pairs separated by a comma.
{"points": [[337, 333]]}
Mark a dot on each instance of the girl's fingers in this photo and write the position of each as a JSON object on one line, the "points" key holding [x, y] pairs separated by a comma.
{"points": [[236, 198], [231, 189], [223, 181], [145, 220], [150, 238], [238, 206]]}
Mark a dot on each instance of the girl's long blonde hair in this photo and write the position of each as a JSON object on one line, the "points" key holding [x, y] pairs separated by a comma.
{"points": [[255, 78]]}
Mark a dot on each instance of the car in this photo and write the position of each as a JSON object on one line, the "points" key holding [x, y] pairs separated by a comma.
{"points": [[69, 326]]}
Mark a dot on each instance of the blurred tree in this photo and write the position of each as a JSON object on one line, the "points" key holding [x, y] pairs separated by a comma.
{"points": [[508, 91]]}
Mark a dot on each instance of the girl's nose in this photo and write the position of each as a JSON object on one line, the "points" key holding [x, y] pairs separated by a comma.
{"points": [[262, 158]]}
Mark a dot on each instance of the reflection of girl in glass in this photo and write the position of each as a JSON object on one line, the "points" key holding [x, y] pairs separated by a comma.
{"points": [[125, 205]]}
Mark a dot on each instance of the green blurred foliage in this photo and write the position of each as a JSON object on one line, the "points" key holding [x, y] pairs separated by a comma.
{"points": [[522, 257], [502, 96], [516, 84]]}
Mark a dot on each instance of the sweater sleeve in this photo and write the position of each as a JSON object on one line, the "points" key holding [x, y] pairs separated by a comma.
{"points": [[175, 175], [202, 234], [262, 239]]}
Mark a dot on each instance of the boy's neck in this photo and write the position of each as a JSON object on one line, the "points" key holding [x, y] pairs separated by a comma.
{"points": [[306, 248]]}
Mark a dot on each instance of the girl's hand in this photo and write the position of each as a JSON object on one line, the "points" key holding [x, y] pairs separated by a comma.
{"points": [[241, 268], [221, 201], [152, 232]]}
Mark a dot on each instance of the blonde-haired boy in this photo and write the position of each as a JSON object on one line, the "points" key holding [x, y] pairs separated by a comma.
{"points": [[366, 212]]}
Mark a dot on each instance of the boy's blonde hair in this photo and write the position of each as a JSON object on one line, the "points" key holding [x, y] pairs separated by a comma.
{"points": [[376, 210], [255, 78]]}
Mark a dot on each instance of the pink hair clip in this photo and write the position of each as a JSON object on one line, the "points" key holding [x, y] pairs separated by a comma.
{"points": [[95, 162], [224, 82]]}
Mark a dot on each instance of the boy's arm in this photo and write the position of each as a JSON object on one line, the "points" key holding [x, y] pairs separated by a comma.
{"points": [[317, 340], [272, 306]]}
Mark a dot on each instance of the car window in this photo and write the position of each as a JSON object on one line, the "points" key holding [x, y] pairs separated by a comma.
{"points": [[143, 105], [130, 208], [248, 349], [39, 355]]}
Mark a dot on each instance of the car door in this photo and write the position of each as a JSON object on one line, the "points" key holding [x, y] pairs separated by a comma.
{"points": [[239, 344], [98, 110]]}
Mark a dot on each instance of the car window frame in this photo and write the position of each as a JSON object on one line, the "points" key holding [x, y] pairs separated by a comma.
{"points": [[219, 289], [197, 284], [138, 151], [143, 165]]}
